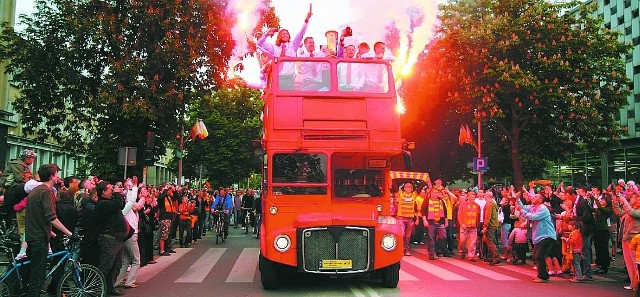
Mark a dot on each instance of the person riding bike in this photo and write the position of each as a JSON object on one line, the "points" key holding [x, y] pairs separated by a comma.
{"points": [[224, 202]]}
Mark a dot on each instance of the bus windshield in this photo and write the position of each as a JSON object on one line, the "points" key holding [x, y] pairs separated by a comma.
{"points": [[300, 172], [358, 183]]}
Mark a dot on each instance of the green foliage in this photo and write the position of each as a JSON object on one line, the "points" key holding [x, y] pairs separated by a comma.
{"points": [[545, 79], [232, 117]]}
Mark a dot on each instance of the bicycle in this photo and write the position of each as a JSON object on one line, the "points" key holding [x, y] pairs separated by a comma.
{"points": [[218, 225], [77, 280], [258, 223], [247, 219]]}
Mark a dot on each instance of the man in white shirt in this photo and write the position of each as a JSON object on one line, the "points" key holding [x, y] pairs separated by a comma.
{"points": [[350, 75], [310, 77], [377, 74], [284, 47]]}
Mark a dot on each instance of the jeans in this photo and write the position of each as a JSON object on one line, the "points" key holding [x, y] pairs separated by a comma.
{"points": [[418, 231], [577, 259], [586, 253], [185, 225], [111, 250], [407, 229], [490, 241], [37, 253], [541, 250], [436, 238], [131, 256], [504, 235], [468, 238]]}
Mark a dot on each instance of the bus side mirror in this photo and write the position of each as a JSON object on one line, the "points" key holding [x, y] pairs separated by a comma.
{"points": [[408, 160]]}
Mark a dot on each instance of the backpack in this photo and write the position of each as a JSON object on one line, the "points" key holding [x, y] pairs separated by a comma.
{"points": [[13, 196]]}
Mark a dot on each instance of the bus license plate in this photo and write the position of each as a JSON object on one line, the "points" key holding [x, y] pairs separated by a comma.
{"points": [[336, 264]]}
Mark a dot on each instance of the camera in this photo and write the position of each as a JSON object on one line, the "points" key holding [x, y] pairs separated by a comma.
{"points": [[346, 32]]}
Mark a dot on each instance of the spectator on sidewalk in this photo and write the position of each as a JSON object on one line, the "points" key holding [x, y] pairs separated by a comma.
{"points": [[544, 233], [131, 248]]}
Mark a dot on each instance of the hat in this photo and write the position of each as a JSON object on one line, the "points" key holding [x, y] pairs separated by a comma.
{"points": [[27, 153], [30, 185]]}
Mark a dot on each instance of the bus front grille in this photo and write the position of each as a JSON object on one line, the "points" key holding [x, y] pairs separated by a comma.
{"points": [[335, 243]]}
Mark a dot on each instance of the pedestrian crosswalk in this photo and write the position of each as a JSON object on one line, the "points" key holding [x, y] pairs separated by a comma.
{"points": [[413, 269]]}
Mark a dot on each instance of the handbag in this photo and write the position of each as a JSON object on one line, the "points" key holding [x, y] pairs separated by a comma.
{"points": [[500, 215]]}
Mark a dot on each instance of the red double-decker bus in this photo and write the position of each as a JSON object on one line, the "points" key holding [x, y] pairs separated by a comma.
{"points": [[331, 133]]}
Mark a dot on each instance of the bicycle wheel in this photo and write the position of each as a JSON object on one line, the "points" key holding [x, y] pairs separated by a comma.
{"points": [[92, 282], [5, 290]]}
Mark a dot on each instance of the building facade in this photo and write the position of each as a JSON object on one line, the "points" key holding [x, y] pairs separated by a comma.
{"points": [[12, 141], [622, 162]]}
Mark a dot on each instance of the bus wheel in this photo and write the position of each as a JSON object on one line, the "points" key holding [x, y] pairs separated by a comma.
{"points": [[269, 273], [391, 275]]}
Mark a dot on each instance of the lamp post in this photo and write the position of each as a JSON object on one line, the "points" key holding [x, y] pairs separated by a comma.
{"points": [[479, 150]]}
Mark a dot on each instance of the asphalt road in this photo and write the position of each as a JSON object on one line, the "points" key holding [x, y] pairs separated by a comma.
{"points": [[231, 269]]}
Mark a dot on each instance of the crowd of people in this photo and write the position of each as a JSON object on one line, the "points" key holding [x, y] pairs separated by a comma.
{"points": [[119, 224], [568, 230]]}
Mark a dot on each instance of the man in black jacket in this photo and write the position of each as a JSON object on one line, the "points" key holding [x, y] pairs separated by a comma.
{"points": [[114, 230], [584, 206]]}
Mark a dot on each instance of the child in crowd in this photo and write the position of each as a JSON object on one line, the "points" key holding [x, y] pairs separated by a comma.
{"points": [[518, 241], [634, 245], [574, 244]]}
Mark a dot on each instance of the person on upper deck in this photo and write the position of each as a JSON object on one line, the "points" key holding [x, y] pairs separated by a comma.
{"points": [[350, 75], [284, 47], [376, 74]]}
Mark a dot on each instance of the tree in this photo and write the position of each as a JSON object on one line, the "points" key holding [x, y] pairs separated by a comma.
{"points": [[232, 117], [100, 74], [546, 79]]}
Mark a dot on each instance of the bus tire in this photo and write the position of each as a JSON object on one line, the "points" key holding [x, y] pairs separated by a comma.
{"points": [[269, 273], [391, 276]]}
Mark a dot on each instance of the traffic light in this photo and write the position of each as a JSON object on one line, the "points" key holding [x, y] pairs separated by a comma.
{"points": [[152, 149]]}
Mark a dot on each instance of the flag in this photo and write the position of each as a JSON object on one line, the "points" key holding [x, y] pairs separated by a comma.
{"points": [[465, 136], [199, 130]]}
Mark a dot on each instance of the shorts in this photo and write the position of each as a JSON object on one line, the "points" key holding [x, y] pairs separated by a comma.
{"points": [[165, 226]]}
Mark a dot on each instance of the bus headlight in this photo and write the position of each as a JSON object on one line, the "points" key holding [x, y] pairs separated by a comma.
{"points": [[273, 210], [282, 243], [389, 242]]}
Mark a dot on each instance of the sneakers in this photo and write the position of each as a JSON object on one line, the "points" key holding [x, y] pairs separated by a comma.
{"points": [[613, 258], [574, 280], [559, 272], [495, 262], [165, 254], [21, 256], [627, 287], [539, 280], [551, 272], [131, 286], [406, 253]]}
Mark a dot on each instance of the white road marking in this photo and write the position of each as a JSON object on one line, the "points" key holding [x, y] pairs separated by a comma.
{"points": [[433, 269], [245, 268], [476, 269], [199, 270]]}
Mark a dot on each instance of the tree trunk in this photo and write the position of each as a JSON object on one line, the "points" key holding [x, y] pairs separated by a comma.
{"points": [[516, 159]]}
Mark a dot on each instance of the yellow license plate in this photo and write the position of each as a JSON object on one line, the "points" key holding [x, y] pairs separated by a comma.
{"points": [[336, 264]]}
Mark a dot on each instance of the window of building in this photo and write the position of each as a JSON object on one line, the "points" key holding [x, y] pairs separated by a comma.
{"points": [[613, 10], [627, 3], [636, 99], [634, 13], [631, 114], [621, 20], [636, 69]]}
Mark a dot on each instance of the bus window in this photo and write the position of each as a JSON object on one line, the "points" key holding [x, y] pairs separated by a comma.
{"points": [[358, 183], [300, 169], [305, 76]]}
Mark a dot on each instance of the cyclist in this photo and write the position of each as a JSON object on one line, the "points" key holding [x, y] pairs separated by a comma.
{"points": [[224, 202], [248, 205]]}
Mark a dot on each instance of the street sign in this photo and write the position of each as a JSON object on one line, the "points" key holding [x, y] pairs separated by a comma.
{"points": [[129, 154], [480, 164]]}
